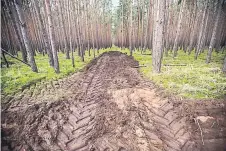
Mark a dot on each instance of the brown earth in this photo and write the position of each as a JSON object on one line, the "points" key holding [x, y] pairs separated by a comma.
{"points": [[110, 107]]}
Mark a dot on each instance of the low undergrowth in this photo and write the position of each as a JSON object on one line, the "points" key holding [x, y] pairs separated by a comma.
{"points": [[18, 76], [186, 76], [194, 79]]}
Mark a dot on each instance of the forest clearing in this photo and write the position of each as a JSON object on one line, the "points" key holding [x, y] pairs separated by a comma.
{"points": [[113, 75]]}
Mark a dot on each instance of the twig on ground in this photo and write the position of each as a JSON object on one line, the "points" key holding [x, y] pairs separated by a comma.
{"points": [[15, 57], [175, 65], [139, 66], [197, 122], [213, 124]]}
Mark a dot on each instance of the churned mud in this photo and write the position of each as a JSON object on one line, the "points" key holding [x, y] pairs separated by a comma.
{"points": [[109, 107]]}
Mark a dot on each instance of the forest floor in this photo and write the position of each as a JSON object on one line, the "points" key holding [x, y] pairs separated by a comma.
{"points": [[197, 81], [110, 106], [19, 76], [184, 76]]}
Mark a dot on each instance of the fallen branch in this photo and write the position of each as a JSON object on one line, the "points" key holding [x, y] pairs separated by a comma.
{"points": [[175, 65], [197, 122], [15, 57], [213, 124], [139, 66], [146, 54]]}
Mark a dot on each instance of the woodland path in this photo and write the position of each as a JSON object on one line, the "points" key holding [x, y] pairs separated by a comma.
{"points": [[110, 107]]}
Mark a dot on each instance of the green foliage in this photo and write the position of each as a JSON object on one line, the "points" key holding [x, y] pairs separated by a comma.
{"points": [[16, 77], [196, 80]]}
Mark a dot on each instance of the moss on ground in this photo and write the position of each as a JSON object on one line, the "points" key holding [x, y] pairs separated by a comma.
{"points": [[19, 75], [196, 79]]}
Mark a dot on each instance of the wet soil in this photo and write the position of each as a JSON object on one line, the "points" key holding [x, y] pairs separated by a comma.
{"points": [[109, 107]]}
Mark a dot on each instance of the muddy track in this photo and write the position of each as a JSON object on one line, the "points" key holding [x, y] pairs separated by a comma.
{"points": [[110, 107]]}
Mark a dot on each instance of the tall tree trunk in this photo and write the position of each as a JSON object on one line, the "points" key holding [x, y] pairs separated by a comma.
{"points": [[93, 40], [131, 28], [205, 33], [192, 36], [8, 33], [167, 23], [70, 34], [122, 26], [44, 33], [148, 22], [87, 31], [64, 31], [158, 42], [214, 34], [178, 31], [97, 35], [201, 32], [141, 26], [52, 36], [23, 27], [17, 31]]}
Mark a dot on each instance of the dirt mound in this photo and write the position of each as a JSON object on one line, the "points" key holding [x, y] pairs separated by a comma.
{"points": [[109, 107]]}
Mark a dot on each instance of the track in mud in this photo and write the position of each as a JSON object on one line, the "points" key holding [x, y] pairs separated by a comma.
{"points": [[110, 107]]}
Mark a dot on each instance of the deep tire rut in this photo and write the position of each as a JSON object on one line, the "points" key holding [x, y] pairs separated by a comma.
{"points": [[108, 107]]}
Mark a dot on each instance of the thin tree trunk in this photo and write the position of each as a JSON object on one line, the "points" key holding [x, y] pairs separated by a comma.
{"points": [[158, 43], [9, 37], [166, 28], [179, 26], [214, 34], [203, 42], [192, 37], [52, 36], [148, 22], [44, 33], [23, 26], [122, 26], [64, 31], [93, 42], [131, 27], [17, 34], [87, 32], [201, 32], [70, 34]]}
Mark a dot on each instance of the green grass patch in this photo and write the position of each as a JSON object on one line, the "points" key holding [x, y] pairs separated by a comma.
{"points": [[18, 76], [196, 80]]}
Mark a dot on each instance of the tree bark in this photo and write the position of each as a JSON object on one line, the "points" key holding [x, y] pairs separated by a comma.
{"points": [[192, 37], [148, 22], [64, 31], [17, 32], [8, 34], [214, 34], [201, 32], [178, 31], [70, 35], [158, 42], [131, 27], [52, 37], [23, 27], [44, 33]]}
